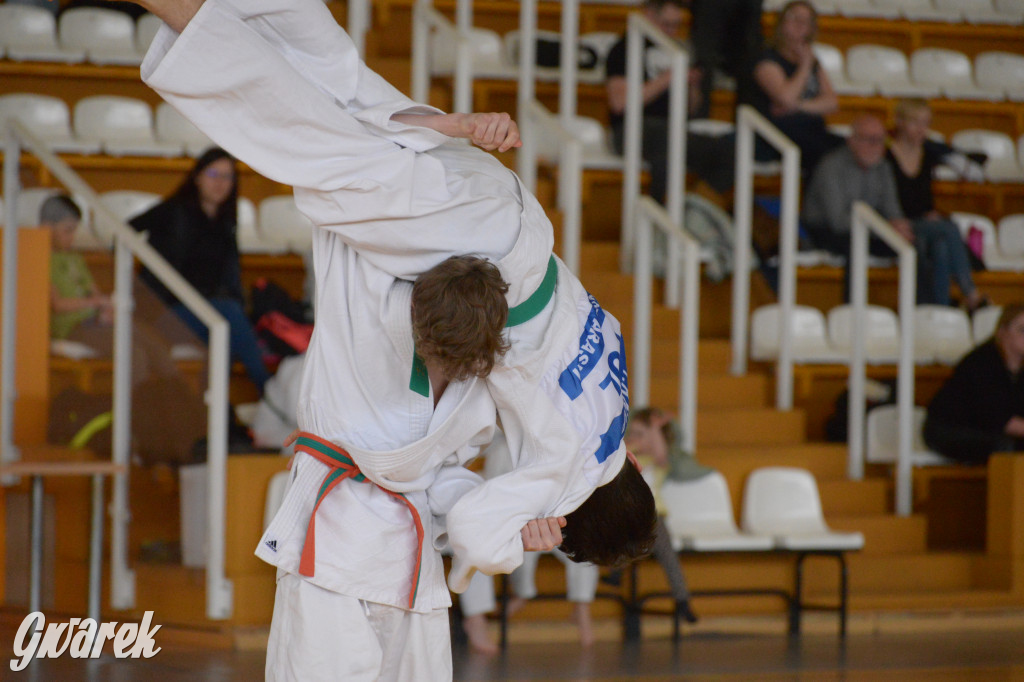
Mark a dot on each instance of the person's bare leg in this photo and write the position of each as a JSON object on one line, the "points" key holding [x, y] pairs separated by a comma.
{"points": [[478, 635], [581, 616], [174, 13]]}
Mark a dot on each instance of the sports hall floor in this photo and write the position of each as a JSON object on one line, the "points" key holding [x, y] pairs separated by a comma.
{"points": [[946, 649]]}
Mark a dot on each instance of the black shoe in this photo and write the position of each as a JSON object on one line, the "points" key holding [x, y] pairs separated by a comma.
{"points": [[684, 612], [613, 578]]}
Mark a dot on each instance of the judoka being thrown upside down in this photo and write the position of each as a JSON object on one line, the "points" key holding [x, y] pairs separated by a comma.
{"points": [[439, 309]]}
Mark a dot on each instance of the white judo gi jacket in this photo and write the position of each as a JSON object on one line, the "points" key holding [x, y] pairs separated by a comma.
{"points": [[279, 85]]}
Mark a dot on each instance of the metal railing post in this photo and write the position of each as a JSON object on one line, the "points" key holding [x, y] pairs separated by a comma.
{"points": [[526, 157], [8, 335], [639, 30], [650, 215], [865, 221]]}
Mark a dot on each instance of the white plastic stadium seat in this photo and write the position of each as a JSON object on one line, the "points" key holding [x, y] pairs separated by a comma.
{"points": [[486, 49], [700, 517], [107, 36], [810, 340], [942, 334], [282, 225], [993, 257], [1000, 149], [950, 71], [30, 34], [601, 43], [867, 8], [250, 239], [881, 332], [831, 59], [146, 27], [1010, 236], [783, 502], [125, 204], [984, 322], [883, 443], [923, 10], [977, 11], [172, 127], [122, 124], [1011, 8], [48, 118], [887, 69], [1001, 71]]}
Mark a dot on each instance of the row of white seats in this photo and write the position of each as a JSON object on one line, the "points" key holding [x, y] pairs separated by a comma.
{"points": [[1006, 12], [781, 510], [497, 56], [929, 72], [113, 125], [101, 36], [275, 226], [1002, 246], [942, 334]]}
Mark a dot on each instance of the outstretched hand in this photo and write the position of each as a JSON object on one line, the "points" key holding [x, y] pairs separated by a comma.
{"points": [[542, 535], [490, 131]]}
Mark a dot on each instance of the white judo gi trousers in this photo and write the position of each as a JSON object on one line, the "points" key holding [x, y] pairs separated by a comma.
{"points": [[318, 635]]}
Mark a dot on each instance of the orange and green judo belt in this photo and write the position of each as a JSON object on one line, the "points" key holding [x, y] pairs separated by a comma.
{"points": [[343, 467]]}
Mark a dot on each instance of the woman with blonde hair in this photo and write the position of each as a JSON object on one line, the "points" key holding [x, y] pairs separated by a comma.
{"points": [[795, 92], [980, 408], [941, 250]]}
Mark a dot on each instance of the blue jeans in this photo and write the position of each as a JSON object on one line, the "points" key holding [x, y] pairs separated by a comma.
{"points": [[942, 256], [244, 345]]}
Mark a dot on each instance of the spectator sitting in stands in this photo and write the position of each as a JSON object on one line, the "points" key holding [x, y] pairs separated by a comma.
{"points": [[79, 312], [795, 93], [980, 408], [858, 171], [656, 441], [194, 229], [913, 158], [710, 157]]}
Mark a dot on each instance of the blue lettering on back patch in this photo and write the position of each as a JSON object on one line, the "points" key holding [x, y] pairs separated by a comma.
{"points": [[591, 350]]}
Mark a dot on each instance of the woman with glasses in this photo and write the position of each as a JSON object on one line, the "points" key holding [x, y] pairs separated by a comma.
{"points": [[194, 229]]}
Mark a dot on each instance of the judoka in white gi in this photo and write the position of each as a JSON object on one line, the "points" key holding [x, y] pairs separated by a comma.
{"points": [[278, 84]]}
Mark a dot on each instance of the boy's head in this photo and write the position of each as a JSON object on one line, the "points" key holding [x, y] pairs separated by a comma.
{"points": [[616, 524], [649, 432], [458, 317], [61, 216]]}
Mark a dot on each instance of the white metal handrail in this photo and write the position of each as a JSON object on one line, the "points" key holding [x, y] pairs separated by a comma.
{"points": [[426, 19], [749, 122], [526, 157], [639, 30], [570, 178], [650, 215], [358, 23], [127, 243], [865, 221]]}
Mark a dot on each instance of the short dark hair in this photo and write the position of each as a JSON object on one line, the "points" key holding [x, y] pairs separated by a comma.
{"points": [[57, 208], [658, 4], [459, 314], [615, 525]]}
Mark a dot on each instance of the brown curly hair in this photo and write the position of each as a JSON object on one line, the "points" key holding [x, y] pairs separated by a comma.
{"points": [[458, 316]]}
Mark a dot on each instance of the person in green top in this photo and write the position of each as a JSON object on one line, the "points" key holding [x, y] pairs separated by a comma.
{"points": [[78, 309], [656, 442]]}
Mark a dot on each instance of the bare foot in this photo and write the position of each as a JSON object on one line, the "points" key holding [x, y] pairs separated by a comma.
{"points": [[479, 637], [514, 605], [581, 616]]}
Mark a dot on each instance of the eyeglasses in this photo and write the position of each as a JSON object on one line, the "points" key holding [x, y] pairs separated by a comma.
{"points": [[214, 174]]}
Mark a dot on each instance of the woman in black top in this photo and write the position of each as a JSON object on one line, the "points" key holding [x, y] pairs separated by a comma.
{"points": [[194, 229], [941, 249], [795, 93], [980, 408]]}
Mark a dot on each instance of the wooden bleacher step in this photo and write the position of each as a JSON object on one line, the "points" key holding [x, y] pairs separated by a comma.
{"points": [[750, 426], [885, 534], [177, 594], [716, 391], [842, 496], [826, 460]]}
